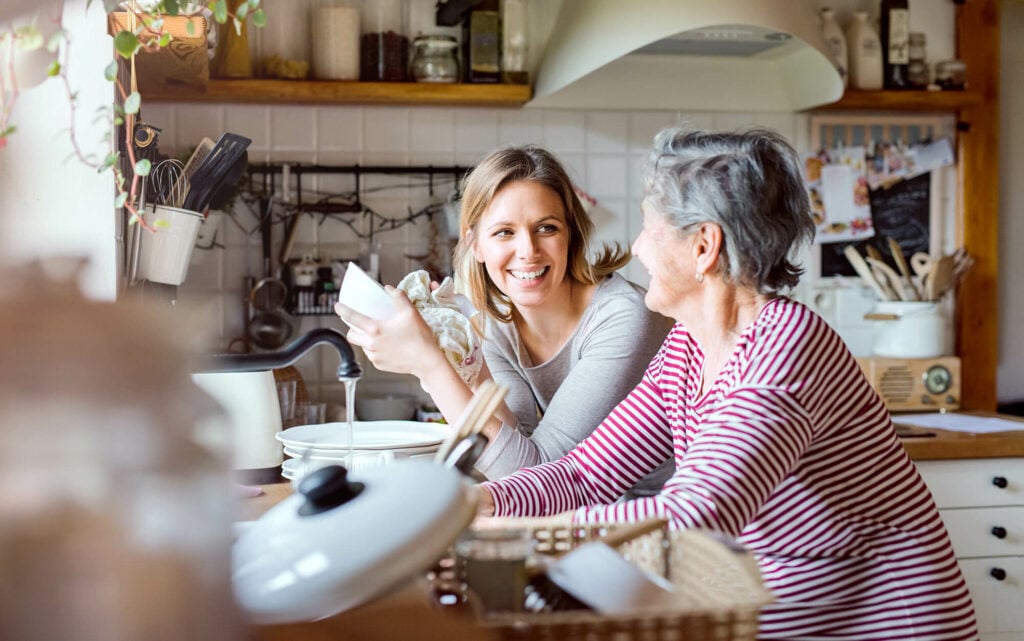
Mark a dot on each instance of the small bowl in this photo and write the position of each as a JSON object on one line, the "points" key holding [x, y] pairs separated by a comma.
{"points": [[365, 295], [389, 407]]}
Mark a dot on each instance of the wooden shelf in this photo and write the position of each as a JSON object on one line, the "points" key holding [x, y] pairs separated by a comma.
{"points": [[950, 101], [340, 92]]}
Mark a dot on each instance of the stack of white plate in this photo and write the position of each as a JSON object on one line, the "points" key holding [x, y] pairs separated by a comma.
{"points": [[372, 443]]}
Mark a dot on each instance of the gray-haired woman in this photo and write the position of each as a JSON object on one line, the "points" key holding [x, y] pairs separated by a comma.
{"points": [[777, 437]]}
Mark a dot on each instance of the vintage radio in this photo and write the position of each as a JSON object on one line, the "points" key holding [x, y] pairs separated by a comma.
{"points": [[915, 384]]}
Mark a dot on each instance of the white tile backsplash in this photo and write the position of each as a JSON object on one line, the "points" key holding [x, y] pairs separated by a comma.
{"points": [[194, 122], [520, 126], [607, 132], [339, 129], [602, 151], [476, 132], [564, 131], [432, 130], [386, 129], [607, 176]]}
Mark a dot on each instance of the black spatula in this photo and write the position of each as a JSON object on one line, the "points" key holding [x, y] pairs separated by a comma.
{"points": [[215, 168]]}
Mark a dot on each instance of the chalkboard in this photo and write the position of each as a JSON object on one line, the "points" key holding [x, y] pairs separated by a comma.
{"points": [[901, 212]]}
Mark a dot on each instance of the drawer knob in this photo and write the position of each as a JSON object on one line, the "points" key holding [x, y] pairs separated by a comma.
{"points": [[999, 532], [999, 574], [1000, 482]]}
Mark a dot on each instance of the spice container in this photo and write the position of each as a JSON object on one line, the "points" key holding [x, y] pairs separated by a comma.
{"points": [[384, 47], [434, 59], [917, 69]]}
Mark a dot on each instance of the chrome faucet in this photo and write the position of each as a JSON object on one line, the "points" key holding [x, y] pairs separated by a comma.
{"points": [[348, 369]]}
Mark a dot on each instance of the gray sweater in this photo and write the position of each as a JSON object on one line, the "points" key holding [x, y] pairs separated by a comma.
{"points": [[559, 403]]}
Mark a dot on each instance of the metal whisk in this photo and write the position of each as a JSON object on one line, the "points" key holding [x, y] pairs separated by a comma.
{"points": [[169, 190]]}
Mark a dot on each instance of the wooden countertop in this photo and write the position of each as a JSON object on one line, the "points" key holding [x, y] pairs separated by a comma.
{"points": [[934, 444]]}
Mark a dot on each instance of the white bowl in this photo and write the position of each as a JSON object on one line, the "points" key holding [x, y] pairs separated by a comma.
{"points": [[390, 407], [365, 295]]}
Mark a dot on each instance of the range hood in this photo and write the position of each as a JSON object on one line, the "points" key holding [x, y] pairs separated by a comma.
{"points": [[713, 55]]}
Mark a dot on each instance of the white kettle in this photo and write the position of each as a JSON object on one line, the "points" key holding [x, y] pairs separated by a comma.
{"points": [[250, 403]]}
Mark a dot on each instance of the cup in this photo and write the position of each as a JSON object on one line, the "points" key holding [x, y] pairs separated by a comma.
{"points": [[492, 564], [314, 413], [286, 392]]}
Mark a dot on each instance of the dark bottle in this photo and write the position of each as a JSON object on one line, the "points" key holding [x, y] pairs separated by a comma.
{"points": [[894, 25], [481, 43]]}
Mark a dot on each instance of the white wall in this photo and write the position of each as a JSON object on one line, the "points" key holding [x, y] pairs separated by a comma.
{"points": [[1011, 194], [50, 204]]}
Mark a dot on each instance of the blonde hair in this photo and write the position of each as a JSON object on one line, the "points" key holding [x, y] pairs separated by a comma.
{"points": [[503, 167]]}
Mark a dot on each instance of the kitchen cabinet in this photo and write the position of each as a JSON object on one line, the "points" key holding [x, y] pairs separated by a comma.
{"points": [[977, 114], [981, 502], [338, 92]]}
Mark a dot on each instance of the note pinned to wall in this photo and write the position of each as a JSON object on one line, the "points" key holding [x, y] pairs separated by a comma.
{"points": [[836, 182]]}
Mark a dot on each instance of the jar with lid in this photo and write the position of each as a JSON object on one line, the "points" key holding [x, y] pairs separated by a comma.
{"points": [[383, 45], [284, 42], [951, 74], [434, 59], [917, 69]]}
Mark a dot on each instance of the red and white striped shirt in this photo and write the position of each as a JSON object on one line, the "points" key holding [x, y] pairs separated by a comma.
{"points": [[791, 452]]}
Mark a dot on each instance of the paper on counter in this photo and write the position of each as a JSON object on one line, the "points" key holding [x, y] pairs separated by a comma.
{"points": [[959, 422]]}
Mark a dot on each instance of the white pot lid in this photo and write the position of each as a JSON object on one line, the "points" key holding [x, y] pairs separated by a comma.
{"points": [[297, 564]]}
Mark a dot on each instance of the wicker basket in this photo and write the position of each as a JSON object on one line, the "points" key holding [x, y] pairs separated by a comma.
{"points": [[718, 586]]}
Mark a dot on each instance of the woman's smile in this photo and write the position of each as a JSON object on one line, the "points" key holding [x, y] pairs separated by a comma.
{"points": [[523, 242]]}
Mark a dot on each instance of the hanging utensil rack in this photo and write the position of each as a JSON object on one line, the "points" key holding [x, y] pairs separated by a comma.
{"points": [[344, 207], [261, 178]]}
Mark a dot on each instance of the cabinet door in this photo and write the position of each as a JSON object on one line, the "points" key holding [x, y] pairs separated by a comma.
{"points": [[987, 531], [998, 604], [975, 482]]}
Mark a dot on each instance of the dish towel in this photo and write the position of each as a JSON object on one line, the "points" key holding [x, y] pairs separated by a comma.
{"points": [[447, 313]]}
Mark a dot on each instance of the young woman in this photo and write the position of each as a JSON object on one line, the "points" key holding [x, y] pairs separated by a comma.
{"points": [[563, 331], [777, 437]]}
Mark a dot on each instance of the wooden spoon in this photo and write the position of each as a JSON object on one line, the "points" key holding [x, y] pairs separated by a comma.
{"points": [[940, 278], [862, 269], [903, 266]]}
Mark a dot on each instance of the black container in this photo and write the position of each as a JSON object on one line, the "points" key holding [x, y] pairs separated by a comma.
{"points": [[481, 43], [894, 25]]}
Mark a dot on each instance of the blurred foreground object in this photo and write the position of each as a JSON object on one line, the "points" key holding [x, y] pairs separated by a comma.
{"points": [[114, 521]]}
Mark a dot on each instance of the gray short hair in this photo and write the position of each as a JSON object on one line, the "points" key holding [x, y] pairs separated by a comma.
{"points": [[750, 184]]}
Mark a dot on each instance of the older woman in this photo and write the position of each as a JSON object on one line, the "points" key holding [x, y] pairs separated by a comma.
{"points": [[778, 439], [566, 334]]}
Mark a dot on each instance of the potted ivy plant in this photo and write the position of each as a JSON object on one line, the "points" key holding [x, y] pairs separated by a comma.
{"points": [[139, 28]]}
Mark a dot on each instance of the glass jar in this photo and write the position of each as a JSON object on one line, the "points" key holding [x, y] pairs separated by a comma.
{"points": [[951, 74], [383, 45], [434, 59], [917, 68]]}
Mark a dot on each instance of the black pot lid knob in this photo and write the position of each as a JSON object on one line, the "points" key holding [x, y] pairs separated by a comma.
{"points": [[327, 488]]}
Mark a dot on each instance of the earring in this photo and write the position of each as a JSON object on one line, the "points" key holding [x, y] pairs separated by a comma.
{"points": [[700, 277]]}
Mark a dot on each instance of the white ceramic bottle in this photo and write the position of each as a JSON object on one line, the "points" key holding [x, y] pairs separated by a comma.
{"points": [[865, 52], [836, 41]]}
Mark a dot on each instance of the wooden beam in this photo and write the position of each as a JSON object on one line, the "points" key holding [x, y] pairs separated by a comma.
{"points": [[978, 206]]}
